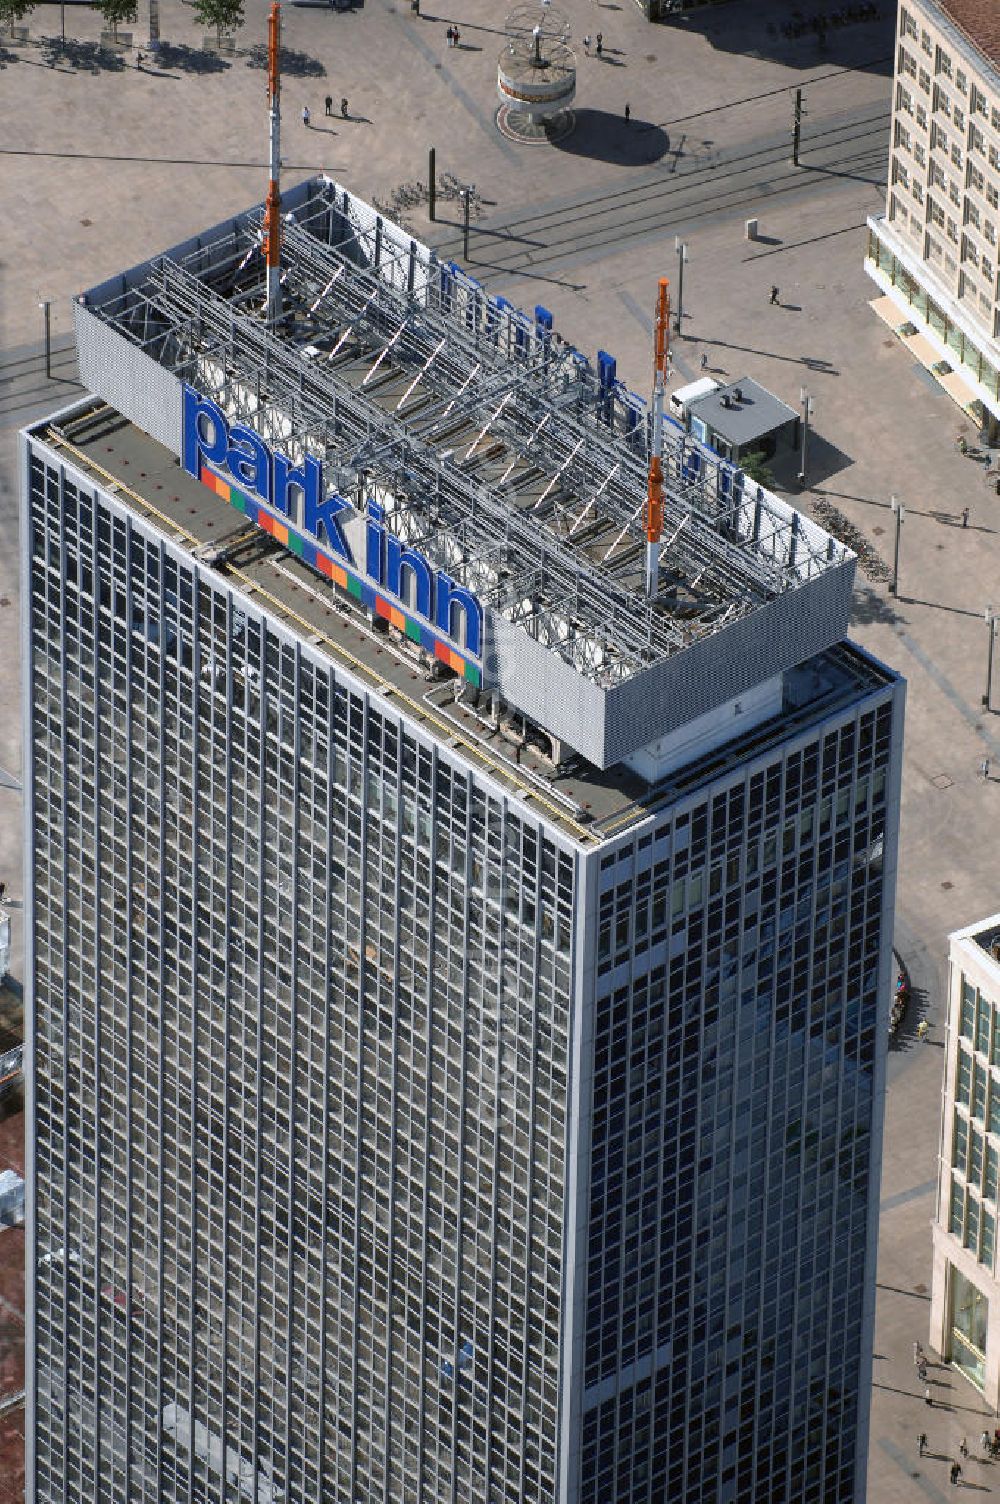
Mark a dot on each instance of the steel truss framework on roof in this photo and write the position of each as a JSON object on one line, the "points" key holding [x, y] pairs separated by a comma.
{"points": [[495, 448]]}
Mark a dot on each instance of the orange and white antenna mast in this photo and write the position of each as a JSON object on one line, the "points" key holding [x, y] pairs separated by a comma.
{"points": [[654, 495], [272, 210]]}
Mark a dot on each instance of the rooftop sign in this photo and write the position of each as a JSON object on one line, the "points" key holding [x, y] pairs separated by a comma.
{"points": [[292, 503]]}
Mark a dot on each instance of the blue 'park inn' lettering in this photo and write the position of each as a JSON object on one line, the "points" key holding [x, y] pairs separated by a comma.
{"points": [[208, 437]]}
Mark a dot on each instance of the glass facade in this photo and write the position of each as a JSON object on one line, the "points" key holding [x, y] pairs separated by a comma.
{"points": [[391, 1146], [972, 1194], [735, 1128], [969, 1327], [301, 1000], [962, 350]]}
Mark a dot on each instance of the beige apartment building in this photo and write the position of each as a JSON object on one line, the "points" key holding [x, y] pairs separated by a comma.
{"points": [[965, 1290], [933, 253]]}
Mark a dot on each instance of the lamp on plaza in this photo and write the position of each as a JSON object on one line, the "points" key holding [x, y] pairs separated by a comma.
{"points": [[991, 628], [807, 412], [680, 247], [46, 308], [899, 512]]}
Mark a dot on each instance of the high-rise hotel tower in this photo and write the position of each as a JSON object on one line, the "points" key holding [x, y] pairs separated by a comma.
{"points": [[458, 977]]}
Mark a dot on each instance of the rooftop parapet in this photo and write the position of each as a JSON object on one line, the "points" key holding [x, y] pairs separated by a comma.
{"points": [[435, 444]]}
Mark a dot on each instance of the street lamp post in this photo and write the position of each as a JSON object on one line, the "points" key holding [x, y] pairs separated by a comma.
{"points": [[807, 412], [682, 255], [899, 512], [46, 308], [991, 627]]}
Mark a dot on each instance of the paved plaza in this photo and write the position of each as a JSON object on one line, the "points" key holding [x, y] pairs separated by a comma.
{"points": [[105, 163]]}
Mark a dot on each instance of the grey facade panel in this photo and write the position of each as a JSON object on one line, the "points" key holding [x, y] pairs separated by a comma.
{"points": [[605, 725], [132, 381]]}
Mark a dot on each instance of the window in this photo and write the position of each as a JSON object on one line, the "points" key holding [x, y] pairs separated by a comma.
{"points": [[907, 63], [907, 25], [961, 82], [899, 172], [935, 213], [978, 1108], [942, 63], [968, 1014], [963, 1086], [983, 1026], [977, 102], [975, 178], [969, 1325]]}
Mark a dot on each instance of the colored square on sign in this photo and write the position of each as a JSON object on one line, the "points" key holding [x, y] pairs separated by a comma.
{"points": [[398, 619], [413, 630], [239, 501], [338, 575], [442, 651], [457, 662], [382, 608], [296, 544], [354, 587], [324, 565], [280, 531], [473, 675]]}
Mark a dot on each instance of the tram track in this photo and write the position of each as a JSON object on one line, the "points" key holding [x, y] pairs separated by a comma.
{"points": [[605, 221]]}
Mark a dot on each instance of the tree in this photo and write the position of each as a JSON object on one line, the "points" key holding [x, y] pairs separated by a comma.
{"points": [[222, 14], [114, 12], [756, 468], [12, 11]]}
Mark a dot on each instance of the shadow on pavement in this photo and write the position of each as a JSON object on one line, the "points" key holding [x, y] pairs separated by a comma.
{"points": [[858, 35], [187, 59], [604, 137], [871, 609], [293, 64], [84, 57]]}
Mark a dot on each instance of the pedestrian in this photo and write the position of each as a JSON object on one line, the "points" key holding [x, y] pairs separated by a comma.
{"points": [[774, 294], [599, 49], [586, 44], [921, 1443], [139, 61], [918, 1351], [628, 113], [963, 1447], [343, 108], [329, 104], [965, 516], [450, 34], [922, 1034], [984, 769], [306, 117], [704, 362], [956, 1472], [984, 1442], [456, 37], [3, 890], [923, 1027], [927, 1398]]}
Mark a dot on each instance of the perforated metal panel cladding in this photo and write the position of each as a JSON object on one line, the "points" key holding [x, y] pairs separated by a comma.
{"points": [[131, 381], [604, 726]]}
